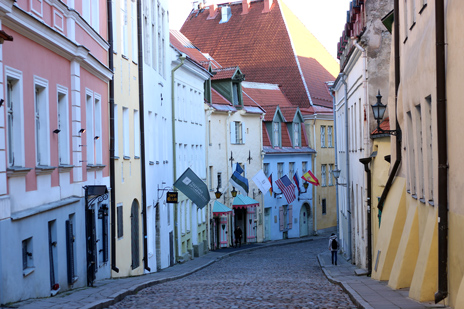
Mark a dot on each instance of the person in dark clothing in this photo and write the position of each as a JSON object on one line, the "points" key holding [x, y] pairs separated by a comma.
{"points": [[238, 236], [333, 247]]}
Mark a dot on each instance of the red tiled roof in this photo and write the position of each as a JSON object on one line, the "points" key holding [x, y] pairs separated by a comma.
{"points": [[224, 73], [384, 125], [217, 98], [268, 47], [285, 135], [288, 112], [270, 112], [181, 43]]}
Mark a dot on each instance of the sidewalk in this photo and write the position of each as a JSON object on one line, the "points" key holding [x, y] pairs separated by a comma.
{"points": [[366, 292]]}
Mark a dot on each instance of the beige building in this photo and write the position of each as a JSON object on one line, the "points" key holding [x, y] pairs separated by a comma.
{"points": [[419, 242], [128, 242]]}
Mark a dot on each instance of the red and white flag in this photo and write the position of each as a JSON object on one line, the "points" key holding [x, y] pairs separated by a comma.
{"points": [[287, 188]]}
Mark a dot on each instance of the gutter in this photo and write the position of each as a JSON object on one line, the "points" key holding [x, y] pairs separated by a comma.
{"points": [[182, 58], [366, 162], [112, 171], [442, 292], [142, 136]]}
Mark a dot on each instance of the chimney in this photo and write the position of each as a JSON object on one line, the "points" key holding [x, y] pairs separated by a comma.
{"points": [[212, 11], [267, 6], [245, 6]]}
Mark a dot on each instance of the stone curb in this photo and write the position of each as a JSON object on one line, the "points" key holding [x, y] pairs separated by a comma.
{"points": [[354, 296]]}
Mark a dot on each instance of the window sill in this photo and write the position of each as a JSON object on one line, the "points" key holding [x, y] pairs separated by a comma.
{"points": [[422, 9], [431, 203], [126, 157], [44, 170], [116, 157], [422, 200], [125, 57], [404, 42], [95, 167], [28, 271], [412, 26], [414, 196], [64, 168], [151, 163], [136, 157], [17, 171]]}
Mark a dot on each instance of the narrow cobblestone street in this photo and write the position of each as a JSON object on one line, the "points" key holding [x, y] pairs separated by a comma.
{"points": [[275, 277]]}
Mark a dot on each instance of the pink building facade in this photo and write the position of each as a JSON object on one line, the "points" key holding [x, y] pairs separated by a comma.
{"points": [[54, 141]]}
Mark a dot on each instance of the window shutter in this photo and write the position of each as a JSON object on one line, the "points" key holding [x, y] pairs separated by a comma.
{"points": [[290, 218], [233, 139], [281, 218], [243, 132]]}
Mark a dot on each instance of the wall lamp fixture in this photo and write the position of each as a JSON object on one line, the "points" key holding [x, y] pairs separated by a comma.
{"points": [[379, 110]]}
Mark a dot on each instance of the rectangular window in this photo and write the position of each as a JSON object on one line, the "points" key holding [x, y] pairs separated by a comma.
{"points": [[28, 257], [41, 121], [331, 182], [324, 206], [322, 136], [420, 158], [266, 169], [97, 139], [236, 132], [428, 145], [15, 128], [329, 136], [405, 17], [280, 170], [116, 131], [296, 135], [134, 31], [63, 127], [291, 169], [125, 132], [304, 166], [115, 30], [120, 220], [124, 27], [210, 180], [96, 15], [136, 134], [160, 48], [323, 175], [89, 126], [411, 154], [153, 35], [276, 134]]}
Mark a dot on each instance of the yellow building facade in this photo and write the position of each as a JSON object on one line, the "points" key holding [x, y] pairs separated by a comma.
{"points": [[127, 151], [419, 243]]}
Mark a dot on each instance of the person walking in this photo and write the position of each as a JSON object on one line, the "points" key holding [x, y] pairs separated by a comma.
{"points": [[333, 247], [238, 236]]}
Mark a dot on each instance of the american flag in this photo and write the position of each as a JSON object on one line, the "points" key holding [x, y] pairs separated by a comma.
{"points": [[287, 188]]}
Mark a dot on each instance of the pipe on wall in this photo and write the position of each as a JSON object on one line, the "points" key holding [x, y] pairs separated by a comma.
{"points": [[366, 162], [336, 155], [442, 292], [142, 135], [111, 103]]}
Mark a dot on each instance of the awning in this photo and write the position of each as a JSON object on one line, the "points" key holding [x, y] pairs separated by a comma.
{"points": [[220, 209], [243, 201]]}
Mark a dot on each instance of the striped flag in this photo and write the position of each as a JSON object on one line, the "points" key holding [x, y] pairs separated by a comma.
{"points": [[297, 182], [309, 177], [287, 188], [238, 181], [270, 180]]}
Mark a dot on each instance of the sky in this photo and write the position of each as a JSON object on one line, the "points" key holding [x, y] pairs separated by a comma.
{"points": [[325, 19]]}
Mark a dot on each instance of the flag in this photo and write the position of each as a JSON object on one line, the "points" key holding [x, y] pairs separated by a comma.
{"points": [[309, 177], [287, 188], [193, 187], [270, 181], [297, 182], [238, 181], [261, 181]]}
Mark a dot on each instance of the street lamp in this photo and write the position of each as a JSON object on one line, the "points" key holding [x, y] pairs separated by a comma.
{"points": [[218, 193], [378, 109], [336, 174], [233, 192]]}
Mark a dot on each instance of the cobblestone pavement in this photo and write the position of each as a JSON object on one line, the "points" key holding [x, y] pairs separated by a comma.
{"points": [[275, 277]]}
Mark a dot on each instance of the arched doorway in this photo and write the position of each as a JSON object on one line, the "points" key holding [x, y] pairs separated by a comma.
{"points": [[306, 221], [135, 234]]}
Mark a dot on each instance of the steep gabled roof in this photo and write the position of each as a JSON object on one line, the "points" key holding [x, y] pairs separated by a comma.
{"points": [[272, 47], [181, 43]]}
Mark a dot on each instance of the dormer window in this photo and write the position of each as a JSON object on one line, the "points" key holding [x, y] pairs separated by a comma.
{"points": [[236, 94], [296, 134], [276, 134]]}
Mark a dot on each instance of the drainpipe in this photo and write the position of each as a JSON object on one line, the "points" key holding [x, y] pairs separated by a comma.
{"points": [[442, 292], [111, 99], [314, 168], [398, 129], [336, 155], [366, 162], [142, 136], [182, 58], [348, 202]]}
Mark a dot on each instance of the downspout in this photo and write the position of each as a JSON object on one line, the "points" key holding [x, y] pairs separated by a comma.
{"points": [[442, 292], [366, 162], [398, 129], [336, 157], [314, 167], [142, 136], [182, 58], [111, 101], [348, 202]]}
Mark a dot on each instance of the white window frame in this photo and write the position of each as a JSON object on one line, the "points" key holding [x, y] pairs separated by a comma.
{"points": [[135, 48], [280, 170], [276, 134], [329, 136], [42, 121], [136, 134], [123, 22], [97, 121], [89, 126], [125, 132], [323, 175], [323, 137], [296, 134], [15, 118], [63, 125]]}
